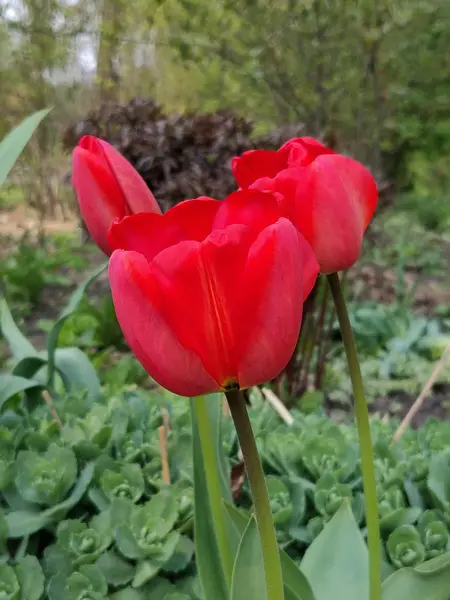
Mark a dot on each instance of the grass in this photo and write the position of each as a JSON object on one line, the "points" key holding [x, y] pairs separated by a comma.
{"points": [[11, 196]]}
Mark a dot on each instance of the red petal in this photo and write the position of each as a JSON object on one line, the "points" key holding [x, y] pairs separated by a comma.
{"points": [[100, 198], [150, 233], [304, 150], [200, 285], [284, 187], [335, 201], [134, 190], [280, 268], [146, 233], [196, 216], [247, 207], [155, 344], [254, 164]]}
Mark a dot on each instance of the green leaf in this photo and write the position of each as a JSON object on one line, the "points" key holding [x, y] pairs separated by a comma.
{"points": [[405, 548], [248, 572], [145, 571], [182, 556], [127, 594], [337, 562], [3, 533], [69, 309], [115, 569], [12, 145], [207, 555], [126, 542], [77, 371], [31, 578], [428, 581], [18, 344], [30, 366], [439, 478], [293, 578], [10, 385], [22, 523], [45, 479]]}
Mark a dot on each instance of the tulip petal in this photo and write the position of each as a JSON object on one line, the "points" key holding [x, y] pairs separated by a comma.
{"points": [[196, 216], [251, 207], [334, 202], [154, 343], [302, 151], [146, 233], [150, 233], [254, 164], [200, 290], [271, 307], [99, 196], [134, 190]]}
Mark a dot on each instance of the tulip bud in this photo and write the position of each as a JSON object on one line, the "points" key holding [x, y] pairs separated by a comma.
{"points": [[107, 187]]}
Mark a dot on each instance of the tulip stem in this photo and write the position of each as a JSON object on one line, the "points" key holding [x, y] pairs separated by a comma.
{"points": [[258, 488], [365, 443], [213, 486]]}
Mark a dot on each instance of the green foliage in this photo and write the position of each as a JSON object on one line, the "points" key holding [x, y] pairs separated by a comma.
{"points": [[118, 528], [45, 478], [25, 581], [30, 268]]}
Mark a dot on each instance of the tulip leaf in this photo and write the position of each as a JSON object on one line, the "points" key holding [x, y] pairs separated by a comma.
{"points": [[428, 581], [336, 564], [18, 344], [295, 582], [13, 144], [10, 385], [69, 309], [30, 366], [77, 371], [207, 555], [248, 572]]}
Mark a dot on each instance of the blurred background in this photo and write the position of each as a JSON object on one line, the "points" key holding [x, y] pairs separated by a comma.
{"points": [[180, 86]]}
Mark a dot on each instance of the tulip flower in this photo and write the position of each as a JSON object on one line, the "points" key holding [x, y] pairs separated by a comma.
{"points": [[209, 295], [330, 198], [108, 187]]}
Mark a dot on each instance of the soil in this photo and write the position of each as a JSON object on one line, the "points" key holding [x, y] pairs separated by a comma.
{"points": [[436, 406]]}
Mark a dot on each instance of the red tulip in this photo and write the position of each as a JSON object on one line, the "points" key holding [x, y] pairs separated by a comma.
{"points": [[330, 198], [209, 295], [108, 187]]}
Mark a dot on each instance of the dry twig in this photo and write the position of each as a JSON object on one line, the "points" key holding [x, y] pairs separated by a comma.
{"points": [[421, 397]]}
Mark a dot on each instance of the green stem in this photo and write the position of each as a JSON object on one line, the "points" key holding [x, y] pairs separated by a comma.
{"points": [[213, 485], [258, 488], [365, 443]]}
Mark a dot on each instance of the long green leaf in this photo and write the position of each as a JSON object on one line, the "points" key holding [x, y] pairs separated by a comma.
{"points": [[18, 344], [10, 385], [69, 309], [77, 371], [428, 581], [30, 366], [296, 584], [74, 367], [22, 522], [336, 564], [207, 555], [248, 572], [12, 145]]}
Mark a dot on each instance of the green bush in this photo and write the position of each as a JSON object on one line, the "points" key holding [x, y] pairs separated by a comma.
{"points": [[85, 509]]}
